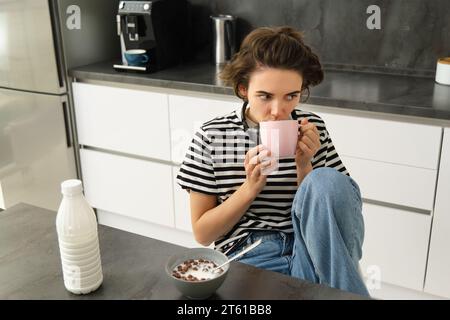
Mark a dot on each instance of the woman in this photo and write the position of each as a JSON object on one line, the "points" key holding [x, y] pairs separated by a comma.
{"points": [[307, 212]]}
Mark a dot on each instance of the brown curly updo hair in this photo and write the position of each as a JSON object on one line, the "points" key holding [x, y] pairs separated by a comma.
{"points": [[273, 47]]}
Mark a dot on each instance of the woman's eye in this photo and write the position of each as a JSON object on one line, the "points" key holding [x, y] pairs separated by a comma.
{"points": [[264, 97], [292, 97]]}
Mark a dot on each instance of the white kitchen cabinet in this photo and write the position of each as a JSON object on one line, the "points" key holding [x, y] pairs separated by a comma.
{"points": [[410, 144], [124, 120], [438, 271], [129, 187], [393, 183], [395, 245], [182, 206], [187, 113]]}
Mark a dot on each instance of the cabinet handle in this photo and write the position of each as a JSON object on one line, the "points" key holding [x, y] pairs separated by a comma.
{"points": [[67, 125]]}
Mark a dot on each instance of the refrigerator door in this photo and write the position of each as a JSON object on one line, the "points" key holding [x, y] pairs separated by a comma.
{"points": [[36, 152], [28, 60]]}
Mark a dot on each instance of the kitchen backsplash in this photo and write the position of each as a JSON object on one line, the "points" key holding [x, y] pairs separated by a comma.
{"points": [[412, 34]]}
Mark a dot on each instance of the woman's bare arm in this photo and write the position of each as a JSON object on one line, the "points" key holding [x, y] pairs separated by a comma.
{"points": [[211, 221]]}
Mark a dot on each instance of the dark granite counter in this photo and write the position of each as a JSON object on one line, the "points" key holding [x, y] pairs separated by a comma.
{"points": [[133, 266], [382, 93]]}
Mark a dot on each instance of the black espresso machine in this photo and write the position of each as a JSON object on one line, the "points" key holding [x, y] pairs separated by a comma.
{"points": [[161, 27]]}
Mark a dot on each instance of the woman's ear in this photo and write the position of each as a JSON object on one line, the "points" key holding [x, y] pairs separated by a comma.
{"points": [[243, 91], [304, 94]]}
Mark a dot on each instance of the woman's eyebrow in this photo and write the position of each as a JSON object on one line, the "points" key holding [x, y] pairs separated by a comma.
{"points": [[268, 93]]}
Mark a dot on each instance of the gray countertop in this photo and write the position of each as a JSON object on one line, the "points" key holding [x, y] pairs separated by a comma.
{"points": [[133, 266], [392, 94]]}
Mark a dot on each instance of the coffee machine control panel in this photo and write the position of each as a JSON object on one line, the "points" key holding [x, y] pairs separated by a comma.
{"points": [[141, 7]]}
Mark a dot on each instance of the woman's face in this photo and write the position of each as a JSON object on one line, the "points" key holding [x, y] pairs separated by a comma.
{"points": [[272, 93]]}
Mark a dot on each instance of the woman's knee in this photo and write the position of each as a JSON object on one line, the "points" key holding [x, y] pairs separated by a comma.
{"points": [[327, 181], [328, 185], [326, 178]]}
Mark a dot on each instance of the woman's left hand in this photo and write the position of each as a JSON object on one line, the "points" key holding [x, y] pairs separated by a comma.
{"points": [[307, 145]]}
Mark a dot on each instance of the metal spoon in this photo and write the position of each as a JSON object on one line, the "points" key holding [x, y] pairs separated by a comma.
{"points": [[252, 246]]}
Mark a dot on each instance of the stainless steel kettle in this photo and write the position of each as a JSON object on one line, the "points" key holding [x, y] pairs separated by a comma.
{"points": [[224, 38]]}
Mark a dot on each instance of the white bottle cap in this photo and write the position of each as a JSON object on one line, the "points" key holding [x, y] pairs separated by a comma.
{"points": [[71, 187]]}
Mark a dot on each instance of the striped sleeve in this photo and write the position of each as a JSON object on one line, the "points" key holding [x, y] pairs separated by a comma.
{"points": [[327, 155], [196, 172]]}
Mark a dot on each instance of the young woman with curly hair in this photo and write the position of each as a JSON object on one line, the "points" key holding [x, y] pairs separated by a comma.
{"points": [[308, 211]]}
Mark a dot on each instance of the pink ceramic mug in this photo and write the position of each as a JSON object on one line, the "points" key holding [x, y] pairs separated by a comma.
{"points": [[280, 137]]}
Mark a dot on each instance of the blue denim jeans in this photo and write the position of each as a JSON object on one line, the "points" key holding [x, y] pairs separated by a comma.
{"points": [[326, 245]]}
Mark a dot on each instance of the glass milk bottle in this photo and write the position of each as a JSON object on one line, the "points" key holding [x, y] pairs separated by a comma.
{"points": [[76, 225]]}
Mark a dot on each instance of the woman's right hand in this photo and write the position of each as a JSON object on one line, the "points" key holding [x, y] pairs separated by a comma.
{"points": [[256, 160]]}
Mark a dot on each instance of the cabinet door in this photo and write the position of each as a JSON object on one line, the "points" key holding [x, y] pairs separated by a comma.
{"points": [[188, 113], [395, 245], [131, 187], [438, 271], [125, 120], [182, 206], [388, 141], [393, 183]]}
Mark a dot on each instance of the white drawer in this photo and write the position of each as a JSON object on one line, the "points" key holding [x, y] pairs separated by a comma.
{"points": [[187, 114], [125, 120], [182, 205], [396, 142], [131, 187], [393, 183], [395, 245]]}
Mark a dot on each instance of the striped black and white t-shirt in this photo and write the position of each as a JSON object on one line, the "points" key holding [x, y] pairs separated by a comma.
{"points": [[214, 165]]}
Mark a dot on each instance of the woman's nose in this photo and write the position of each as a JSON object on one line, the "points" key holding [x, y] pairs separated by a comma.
{"points": [[276, 110]]}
